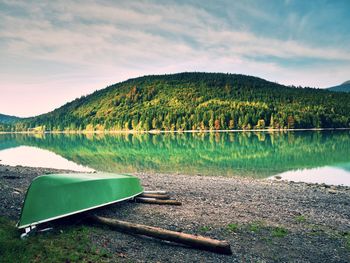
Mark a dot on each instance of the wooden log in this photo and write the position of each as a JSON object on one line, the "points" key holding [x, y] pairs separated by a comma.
{"points": [[199, 242], [156, 201], [156, 196], [159, 192]]}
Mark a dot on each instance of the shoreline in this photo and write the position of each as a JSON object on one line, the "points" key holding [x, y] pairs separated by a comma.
{"points": [[161, 131], [264, 220]]}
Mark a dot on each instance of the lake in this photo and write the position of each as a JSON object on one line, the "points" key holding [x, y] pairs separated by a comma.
{"points": [[309, 156]]}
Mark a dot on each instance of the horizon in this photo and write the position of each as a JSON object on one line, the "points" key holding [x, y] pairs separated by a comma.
{"points": [[53, 53]]}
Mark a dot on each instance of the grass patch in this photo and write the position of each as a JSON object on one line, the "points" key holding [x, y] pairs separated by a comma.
{"points": [[232, 227], [315, 230], [205, 228], [256, 227], [300, 219], [71, 245], [279, 232], [346, 236], [267, 240]]}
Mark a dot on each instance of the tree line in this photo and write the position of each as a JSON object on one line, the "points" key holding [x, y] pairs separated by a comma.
{"points": [[196, 101]]}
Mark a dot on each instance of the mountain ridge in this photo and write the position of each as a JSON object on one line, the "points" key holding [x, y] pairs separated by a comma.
{"points": [[8, 119], [344, 87], [197, 100]]}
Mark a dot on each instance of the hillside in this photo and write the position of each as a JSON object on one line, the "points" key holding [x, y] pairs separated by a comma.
{"points": [[7, 122], [188, 101], [7, 119], [345, 87]]}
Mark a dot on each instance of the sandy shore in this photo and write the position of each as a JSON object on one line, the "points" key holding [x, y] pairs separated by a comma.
{"points": [[264, 220]]}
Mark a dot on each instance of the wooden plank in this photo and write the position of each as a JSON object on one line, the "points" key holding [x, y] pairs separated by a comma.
{"points": [[156, 196], [160, 192], [157, 201]]}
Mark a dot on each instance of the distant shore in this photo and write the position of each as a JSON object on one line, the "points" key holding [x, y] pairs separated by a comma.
{"points": [[264, 220], [161, 131]]}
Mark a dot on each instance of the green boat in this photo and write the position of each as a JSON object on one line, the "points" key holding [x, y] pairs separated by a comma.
{"points": [[54, 196]]}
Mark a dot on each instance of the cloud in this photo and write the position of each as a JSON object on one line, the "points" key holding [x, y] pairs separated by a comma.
{"points": [[92, 44], [96, 31]]}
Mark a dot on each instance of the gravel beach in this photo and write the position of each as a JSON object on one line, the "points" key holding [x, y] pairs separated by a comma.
{"points": [[264, 220]]}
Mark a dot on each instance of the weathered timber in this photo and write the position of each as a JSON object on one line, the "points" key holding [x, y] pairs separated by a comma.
{"points": [[160, 192], [157, 201], [156, 196], [199, 242]]}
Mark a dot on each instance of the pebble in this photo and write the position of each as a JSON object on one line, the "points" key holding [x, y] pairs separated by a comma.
{"points": [[332, 191]]}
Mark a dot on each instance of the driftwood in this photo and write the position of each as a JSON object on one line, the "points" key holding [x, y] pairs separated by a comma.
{"points": [[200, 242], [156, 192], [156, 196], [157, 201]]}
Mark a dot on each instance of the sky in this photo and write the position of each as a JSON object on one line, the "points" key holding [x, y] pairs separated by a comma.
{"points": [[52, 52]]}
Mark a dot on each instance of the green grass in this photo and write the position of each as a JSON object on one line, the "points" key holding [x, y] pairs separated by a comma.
{"points": [[315, 230], [205, 228], [232, 227], [265, 231], [255, 227], [346, 236], [73, 244], [279, 232], [300, 219]]}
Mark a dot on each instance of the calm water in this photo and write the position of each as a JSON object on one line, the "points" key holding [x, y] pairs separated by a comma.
{"points": [[299, 156]]}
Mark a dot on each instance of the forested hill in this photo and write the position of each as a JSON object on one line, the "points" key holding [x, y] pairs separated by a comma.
{"points": [[187, 101], [345, 87], [8, 119]]}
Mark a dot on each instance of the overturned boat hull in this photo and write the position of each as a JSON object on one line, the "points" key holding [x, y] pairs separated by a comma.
{"points": [[54, 196]]}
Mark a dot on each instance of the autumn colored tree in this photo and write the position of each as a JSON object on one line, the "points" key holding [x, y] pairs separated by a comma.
{"points": [[217, 124]]}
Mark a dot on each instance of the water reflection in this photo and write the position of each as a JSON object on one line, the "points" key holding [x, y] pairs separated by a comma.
{"points": [[326, 175], [257, 154], [36, 157]]}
